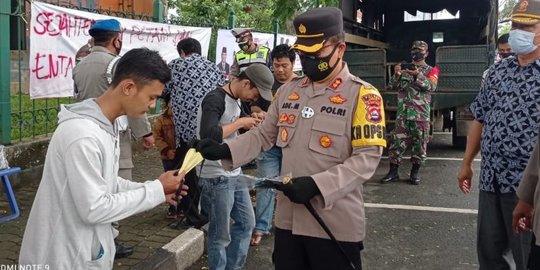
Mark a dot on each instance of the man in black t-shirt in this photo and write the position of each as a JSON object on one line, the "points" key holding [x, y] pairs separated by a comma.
{"points": [[269, 162]]}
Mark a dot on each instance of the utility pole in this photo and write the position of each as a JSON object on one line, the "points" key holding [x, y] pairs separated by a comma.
{"points": [[5, 94], [232, 19]]}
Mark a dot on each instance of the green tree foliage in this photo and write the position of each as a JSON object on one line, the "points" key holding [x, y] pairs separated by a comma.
{"points": [[259, 15], [505, 13], [507, 6]]}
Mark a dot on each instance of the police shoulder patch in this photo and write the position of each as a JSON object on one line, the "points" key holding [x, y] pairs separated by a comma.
{"points": [[368, 125]]}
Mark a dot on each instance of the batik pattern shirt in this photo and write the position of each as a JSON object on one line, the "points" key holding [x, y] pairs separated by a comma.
{"points": [[192, 78], [508, 105]]}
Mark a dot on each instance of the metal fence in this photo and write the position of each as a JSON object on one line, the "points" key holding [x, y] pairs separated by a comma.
{"points": [[30, 118], [22, 118]]}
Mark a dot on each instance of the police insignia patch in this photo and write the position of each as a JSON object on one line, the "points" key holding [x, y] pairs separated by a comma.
{"points": [[337, 99], [302, 29], [307, 112], [284, 135], [305, 81], [325, 141], [294, 96], [373, 108], [283, 118], [291, 119], [336, 83]]}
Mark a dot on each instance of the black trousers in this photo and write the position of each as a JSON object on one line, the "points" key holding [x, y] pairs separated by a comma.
{"points": [[534, 256], [190, 203], [297, 252]]}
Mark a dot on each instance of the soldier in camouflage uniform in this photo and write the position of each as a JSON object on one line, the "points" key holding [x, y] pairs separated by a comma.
{"points": [[414, 85]]}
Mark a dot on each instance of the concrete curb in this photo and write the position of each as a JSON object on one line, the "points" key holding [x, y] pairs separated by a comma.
{"points": [[180, 253]]}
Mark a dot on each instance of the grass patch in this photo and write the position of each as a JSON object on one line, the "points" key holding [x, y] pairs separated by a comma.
{"points": [[34, 117]]}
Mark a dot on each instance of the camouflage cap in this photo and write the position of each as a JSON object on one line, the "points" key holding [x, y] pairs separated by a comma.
{"points": [[419, 44], [527, 12]]}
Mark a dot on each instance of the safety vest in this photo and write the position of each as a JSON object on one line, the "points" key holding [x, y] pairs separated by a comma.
{"points": [[245, 59]]}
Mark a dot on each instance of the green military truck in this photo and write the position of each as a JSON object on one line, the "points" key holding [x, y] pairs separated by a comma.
{"points": [[461, 35]]}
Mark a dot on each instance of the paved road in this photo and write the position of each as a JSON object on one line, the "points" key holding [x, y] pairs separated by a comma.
{"points": [[438, 235]]}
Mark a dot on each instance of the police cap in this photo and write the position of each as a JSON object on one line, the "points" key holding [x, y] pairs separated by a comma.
{"points": [[315, 26], [240, 32], [527, 12]]}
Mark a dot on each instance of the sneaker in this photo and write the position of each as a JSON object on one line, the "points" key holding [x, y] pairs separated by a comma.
{"points": [[122, 251]]}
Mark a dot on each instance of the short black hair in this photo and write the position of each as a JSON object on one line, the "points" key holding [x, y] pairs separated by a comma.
{"points": [[102, 38], [189, 46], [503, 39], [142, 65], [282, 51]]}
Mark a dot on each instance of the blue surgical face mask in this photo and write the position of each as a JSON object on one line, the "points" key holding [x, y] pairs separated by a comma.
{"points": [[522, 42]]}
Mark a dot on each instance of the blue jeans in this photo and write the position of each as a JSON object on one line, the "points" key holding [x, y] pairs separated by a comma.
{"points": [[269, 165], [225, 200]]}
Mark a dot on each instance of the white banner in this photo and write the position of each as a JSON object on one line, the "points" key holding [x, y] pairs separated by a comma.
{"points": [[56, 33]]}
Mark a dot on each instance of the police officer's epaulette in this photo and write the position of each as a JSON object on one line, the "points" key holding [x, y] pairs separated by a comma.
{"points": [[299, 81], [298, 78], [362, 82]]}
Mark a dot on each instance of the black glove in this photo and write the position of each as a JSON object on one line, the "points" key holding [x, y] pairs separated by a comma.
{"points": [[300, 189], [210, 149]]}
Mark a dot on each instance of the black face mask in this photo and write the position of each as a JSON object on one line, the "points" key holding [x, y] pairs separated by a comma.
{"points": [[244, 46], [417, 56], [317, 68], [506, 55]]}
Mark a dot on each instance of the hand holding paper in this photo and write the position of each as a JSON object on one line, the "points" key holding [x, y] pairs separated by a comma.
{"points": [[171, 181], [192, 159]]}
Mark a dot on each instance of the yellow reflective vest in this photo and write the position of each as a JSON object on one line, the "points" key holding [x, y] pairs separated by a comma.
{"points": [[244, 59]]}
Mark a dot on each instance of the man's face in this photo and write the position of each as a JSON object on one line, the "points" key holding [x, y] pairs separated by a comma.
{"points": [[141, 98], [326, 50], [504, 50], [423, 52], [283, 68], [248, 92], [223, 57], [244, 42], [535, 28]]}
